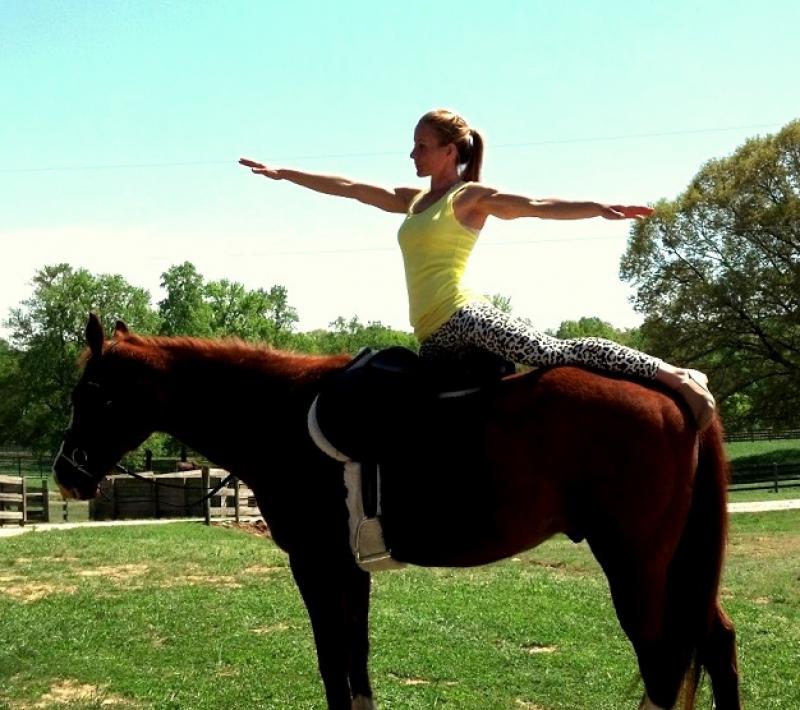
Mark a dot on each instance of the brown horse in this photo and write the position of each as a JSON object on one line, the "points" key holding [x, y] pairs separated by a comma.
{"points": [[563, 450]]}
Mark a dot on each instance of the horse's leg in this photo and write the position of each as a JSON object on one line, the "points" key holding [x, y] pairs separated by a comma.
{"points": [[718, 655], [639, 594], [648, 704], [358, 598], [328, 589]]}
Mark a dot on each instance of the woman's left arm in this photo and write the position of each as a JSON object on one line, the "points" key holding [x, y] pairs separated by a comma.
{"points": [[507, 206]]}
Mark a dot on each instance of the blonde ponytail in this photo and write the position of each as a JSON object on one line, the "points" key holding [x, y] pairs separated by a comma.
{"points": [[469, 143]]}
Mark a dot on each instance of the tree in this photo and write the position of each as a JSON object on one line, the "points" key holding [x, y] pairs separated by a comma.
{"points": [[501, 302], [224, 308], [279, 316], [718, 278], [349, 336], [9, 402], [237, 312], [595, 328], [184, 310], [48, 333]]}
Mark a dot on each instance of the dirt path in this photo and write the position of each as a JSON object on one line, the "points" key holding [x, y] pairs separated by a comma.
{"points": [[760, 506], [9, 530]]}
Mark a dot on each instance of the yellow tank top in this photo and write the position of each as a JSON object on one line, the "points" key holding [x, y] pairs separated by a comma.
{"points": [[435, 247]]}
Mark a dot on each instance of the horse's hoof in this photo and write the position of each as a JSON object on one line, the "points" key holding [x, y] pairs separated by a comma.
{"points": [[362, 702]]}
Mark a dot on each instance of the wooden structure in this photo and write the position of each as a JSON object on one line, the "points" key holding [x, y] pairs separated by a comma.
{"points": [[765, 477], [13, 499], [177, 495], [21, 503]]}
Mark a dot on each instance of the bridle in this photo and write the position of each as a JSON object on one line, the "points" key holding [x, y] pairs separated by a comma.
{"points": [[83, 456]]}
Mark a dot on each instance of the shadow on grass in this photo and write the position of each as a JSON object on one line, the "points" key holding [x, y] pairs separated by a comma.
{"points": [[768, 458]]}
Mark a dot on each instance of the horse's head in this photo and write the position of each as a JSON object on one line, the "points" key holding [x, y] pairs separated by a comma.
{"points": [[106, 416]]}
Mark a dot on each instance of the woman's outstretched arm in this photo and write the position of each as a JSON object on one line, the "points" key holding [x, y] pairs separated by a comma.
{"points": [[506, 206], [396, 200]]}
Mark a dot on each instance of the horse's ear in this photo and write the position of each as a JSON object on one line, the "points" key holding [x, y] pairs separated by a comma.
{"points": [[120, 329], [94, 335]]}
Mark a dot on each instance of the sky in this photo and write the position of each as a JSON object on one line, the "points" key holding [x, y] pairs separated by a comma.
{"points": [[121, 124]]}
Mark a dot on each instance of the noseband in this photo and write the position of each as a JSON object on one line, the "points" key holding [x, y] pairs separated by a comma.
{"points": [[79, 467]]}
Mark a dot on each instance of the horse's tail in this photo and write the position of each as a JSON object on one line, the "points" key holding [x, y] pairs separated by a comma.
{"points": [[694, 575]]}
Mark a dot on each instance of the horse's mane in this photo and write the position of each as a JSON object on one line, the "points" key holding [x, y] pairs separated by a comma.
{"points": [[161, 350]]}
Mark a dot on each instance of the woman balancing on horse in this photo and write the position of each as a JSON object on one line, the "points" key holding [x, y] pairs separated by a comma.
{"points": [[441, 227]]}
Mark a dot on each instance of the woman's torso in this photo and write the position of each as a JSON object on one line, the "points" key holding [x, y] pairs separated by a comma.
{"points": [[436, 247]]}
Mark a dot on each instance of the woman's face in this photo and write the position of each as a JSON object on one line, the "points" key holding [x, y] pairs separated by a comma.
{"points": [[428, 155]]}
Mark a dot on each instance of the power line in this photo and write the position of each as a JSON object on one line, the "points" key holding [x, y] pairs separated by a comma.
{"points": [[484, 243], [638, 135], [501, 146]]}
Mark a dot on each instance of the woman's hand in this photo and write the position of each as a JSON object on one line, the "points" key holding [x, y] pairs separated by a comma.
{"points": [[260, 168], [624, 211]]}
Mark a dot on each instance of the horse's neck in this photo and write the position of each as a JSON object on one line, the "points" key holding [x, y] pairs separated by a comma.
{"points": [[223, 406]]}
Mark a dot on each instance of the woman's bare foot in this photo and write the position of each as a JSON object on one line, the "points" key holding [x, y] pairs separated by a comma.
{"points": [[699, 399], [692, 385]]}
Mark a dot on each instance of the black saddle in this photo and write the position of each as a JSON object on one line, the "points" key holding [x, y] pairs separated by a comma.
{"points": [[382, 406]]}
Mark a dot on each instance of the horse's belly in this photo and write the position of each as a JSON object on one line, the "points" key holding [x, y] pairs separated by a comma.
{"points": [[464, 513]]}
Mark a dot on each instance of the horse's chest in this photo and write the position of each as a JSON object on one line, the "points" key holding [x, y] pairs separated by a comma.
{"points": [[304, 506]]}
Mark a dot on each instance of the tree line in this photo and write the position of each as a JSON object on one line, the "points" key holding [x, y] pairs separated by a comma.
{"points": [[716, 273], [39, 366]]}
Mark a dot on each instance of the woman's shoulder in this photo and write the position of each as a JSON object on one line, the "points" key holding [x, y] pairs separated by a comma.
{"points": [[408, 192], [471, 192], [409, 195]]}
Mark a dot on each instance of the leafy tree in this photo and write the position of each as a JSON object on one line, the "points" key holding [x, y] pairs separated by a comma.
{"points": [[718, 277], [349, 336], [595, 328], [48, 332], [280, 315], [501, 302], [184, 310], [235, 311], [9, 404], [224, 308]]}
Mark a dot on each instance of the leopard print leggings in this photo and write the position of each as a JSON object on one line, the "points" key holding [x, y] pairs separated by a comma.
{"points": [[480, 325]]}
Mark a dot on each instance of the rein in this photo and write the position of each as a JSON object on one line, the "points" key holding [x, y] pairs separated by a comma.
{"points": [[80, 469]]}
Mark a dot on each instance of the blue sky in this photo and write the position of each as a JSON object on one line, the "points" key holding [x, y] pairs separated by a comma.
{"points": [[121, 124]]}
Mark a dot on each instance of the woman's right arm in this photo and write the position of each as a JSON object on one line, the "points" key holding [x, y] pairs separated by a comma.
{"points": [[396, 200]]}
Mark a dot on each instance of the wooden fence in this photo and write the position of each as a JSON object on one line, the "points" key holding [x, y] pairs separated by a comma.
{"points": [[172, 495], [763, 435], [29, 500], [765, 477], [13, 499], [21, 503]]}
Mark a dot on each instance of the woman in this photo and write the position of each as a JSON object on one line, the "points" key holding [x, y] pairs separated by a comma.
{"points": [[440, 229]]}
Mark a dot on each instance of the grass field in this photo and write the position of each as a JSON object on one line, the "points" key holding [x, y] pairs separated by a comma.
{"points": [[764, 452], [184, 616], [747, 496]]}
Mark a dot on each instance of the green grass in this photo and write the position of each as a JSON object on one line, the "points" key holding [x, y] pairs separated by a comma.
{"points": [[184, 616], [742, 495], [763, 452]]}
